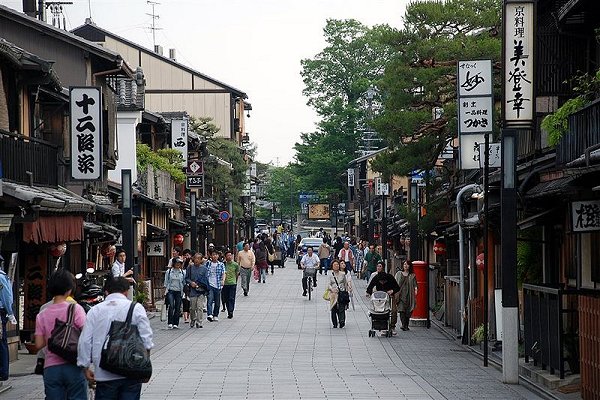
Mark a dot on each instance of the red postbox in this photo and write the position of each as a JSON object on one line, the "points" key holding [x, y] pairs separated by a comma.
{"points": [[419, 315]]}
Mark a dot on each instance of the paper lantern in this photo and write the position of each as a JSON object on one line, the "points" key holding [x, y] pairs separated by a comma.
{"points": [[178, 239], [58, 249], [439, 248], [480, 262]]}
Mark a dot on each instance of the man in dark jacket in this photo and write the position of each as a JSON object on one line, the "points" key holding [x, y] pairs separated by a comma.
{"points": [[384, 282], [197, 278]]}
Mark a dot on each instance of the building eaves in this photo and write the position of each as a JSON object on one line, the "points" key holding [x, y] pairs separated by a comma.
{"points": [[66, 36], [367, 156], [25, 60], [59, 200], [94, 32]]}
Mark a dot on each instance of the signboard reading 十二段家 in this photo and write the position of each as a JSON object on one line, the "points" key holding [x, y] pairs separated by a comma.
{"points": [[86, 133], [518, 60]]}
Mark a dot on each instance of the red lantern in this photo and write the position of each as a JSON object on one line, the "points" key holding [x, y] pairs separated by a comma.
{"points": [[439, 248], [178, 239], [376, 235], [480, 262], [58, 249]]}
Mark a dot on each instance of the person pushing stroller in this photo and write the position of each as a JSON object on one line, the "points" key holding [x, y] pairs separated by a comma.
{"points": [[385, 282]]}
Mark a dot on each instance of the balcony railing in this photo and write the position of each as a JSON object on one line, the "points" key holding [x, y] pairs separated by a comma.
{"points": [[550, 328], [28, 160], [583, 134]]}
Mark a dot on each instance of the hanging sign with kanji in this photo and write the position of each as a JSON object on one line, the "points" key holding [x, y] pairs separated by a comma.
{"points": [[179, 137], [519, 39], [86, 133]]}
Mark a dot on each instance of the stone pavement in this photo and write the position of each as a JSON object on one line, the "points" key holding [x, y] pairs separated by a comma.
{"points": [[279, 345]]}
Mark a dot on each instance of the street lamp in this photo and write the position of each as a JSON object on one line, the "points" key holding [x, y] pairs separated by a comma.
{"points": [[508, 234]]}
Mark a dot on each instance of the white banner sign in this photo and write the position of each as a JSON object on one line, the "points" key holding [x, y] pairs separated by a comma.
{"points": [[469, 150], [585, 215], [179, 137], [475, 78], [518, 60], [155, 248], [475, 114], [350, 177], [495, 160], [86, 133]]}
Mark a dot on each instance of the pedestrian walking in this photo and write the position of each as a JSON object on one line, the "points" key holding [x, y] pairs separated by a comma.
{"points": [[372, 258], [324, 252], [360, 259], [6, 315], [261, 261], [216, 279], [196, 277], [338, 282], [278, 248], [246, 261], [347, 256], [269, 244], [232, 272], [407, 295], [115, 307], [174, 281], [62, 380]]}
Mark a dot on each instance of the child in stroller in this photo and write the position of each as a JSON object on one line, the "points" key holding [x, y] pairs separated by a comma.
{"points": [[380, 313]]}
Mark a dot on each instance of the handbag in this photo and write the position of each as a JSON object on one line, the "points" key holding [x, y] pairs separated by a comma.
{"points": [[123, 352], [326, 295], [343, 295], [271, 256], [65, 337]]}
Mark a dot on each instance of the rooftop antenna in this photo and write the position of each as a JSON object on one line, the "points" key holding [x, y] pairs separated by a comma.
{"points": [[154, 18], [90, 8], [58, 15]]}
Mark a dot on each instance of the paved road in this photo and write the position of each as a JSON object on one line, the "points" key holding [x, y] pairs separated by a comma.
{"points": [[279, 345]]}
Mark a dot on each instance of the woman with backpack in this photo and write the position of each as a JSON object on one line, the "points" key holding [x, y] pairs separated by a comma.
{"points": [[62, 379]]}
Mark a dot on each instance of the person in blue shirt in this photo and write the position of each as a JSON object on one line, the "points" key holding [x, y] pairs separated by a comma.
{"points": [[216, 280], [6, 315]]}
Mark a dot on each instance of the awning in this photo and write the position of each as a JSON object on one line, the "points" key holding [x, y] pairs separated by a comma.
{"points": [[54, 229], [553, 187], [104, 205], [58, 200], [156, 229], [178, 223]]}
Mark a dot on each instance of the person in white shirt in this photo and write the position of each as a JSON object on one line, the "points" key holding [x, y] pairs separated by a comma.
{"points": [[93, 335], [309, 260], [346, 256]]}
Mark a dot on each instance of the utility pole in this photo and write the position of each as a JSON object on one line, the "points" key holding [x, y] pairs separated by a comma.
{"points": [[154, 18]]}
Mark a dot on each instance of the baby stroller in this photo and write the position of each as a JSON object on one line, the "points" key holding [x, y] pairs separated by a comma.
{"points": [[380, 313]]}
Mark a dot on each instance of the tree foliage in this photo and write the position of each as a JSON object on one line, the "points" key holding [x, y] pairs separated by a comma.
{"points": [[222, 181], [168, 160], [282, 189], [336, 80], [422, 76]]}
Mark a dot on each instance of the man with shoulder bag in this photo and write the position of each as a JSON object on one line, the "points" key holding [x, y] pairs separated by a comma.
{"points": [[104, 318]]}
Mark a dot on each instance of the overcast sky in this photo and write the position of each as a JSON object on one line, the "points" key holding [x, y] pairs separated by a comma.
{"points": [[253, 45]]}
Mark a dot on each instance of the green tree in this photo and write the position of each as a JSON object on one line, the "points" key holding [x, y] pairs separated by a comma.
{"points": [[282, 188], [336, 81], [422, 76]]}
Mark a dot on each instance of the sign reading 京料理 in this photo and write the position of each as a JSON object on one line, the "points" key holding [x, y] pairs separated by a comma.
{"points": [[86, 133], [585, 215], [518, 61], [179, 135]]}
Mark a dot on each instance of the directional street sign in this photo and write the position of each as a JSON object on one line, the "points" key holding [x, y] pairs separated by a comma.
{"points": [[195, 181]]}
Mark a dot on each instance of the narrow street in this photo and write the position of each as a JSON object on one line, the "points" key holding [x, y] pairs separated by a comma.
{"points": [[279, 345]]}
